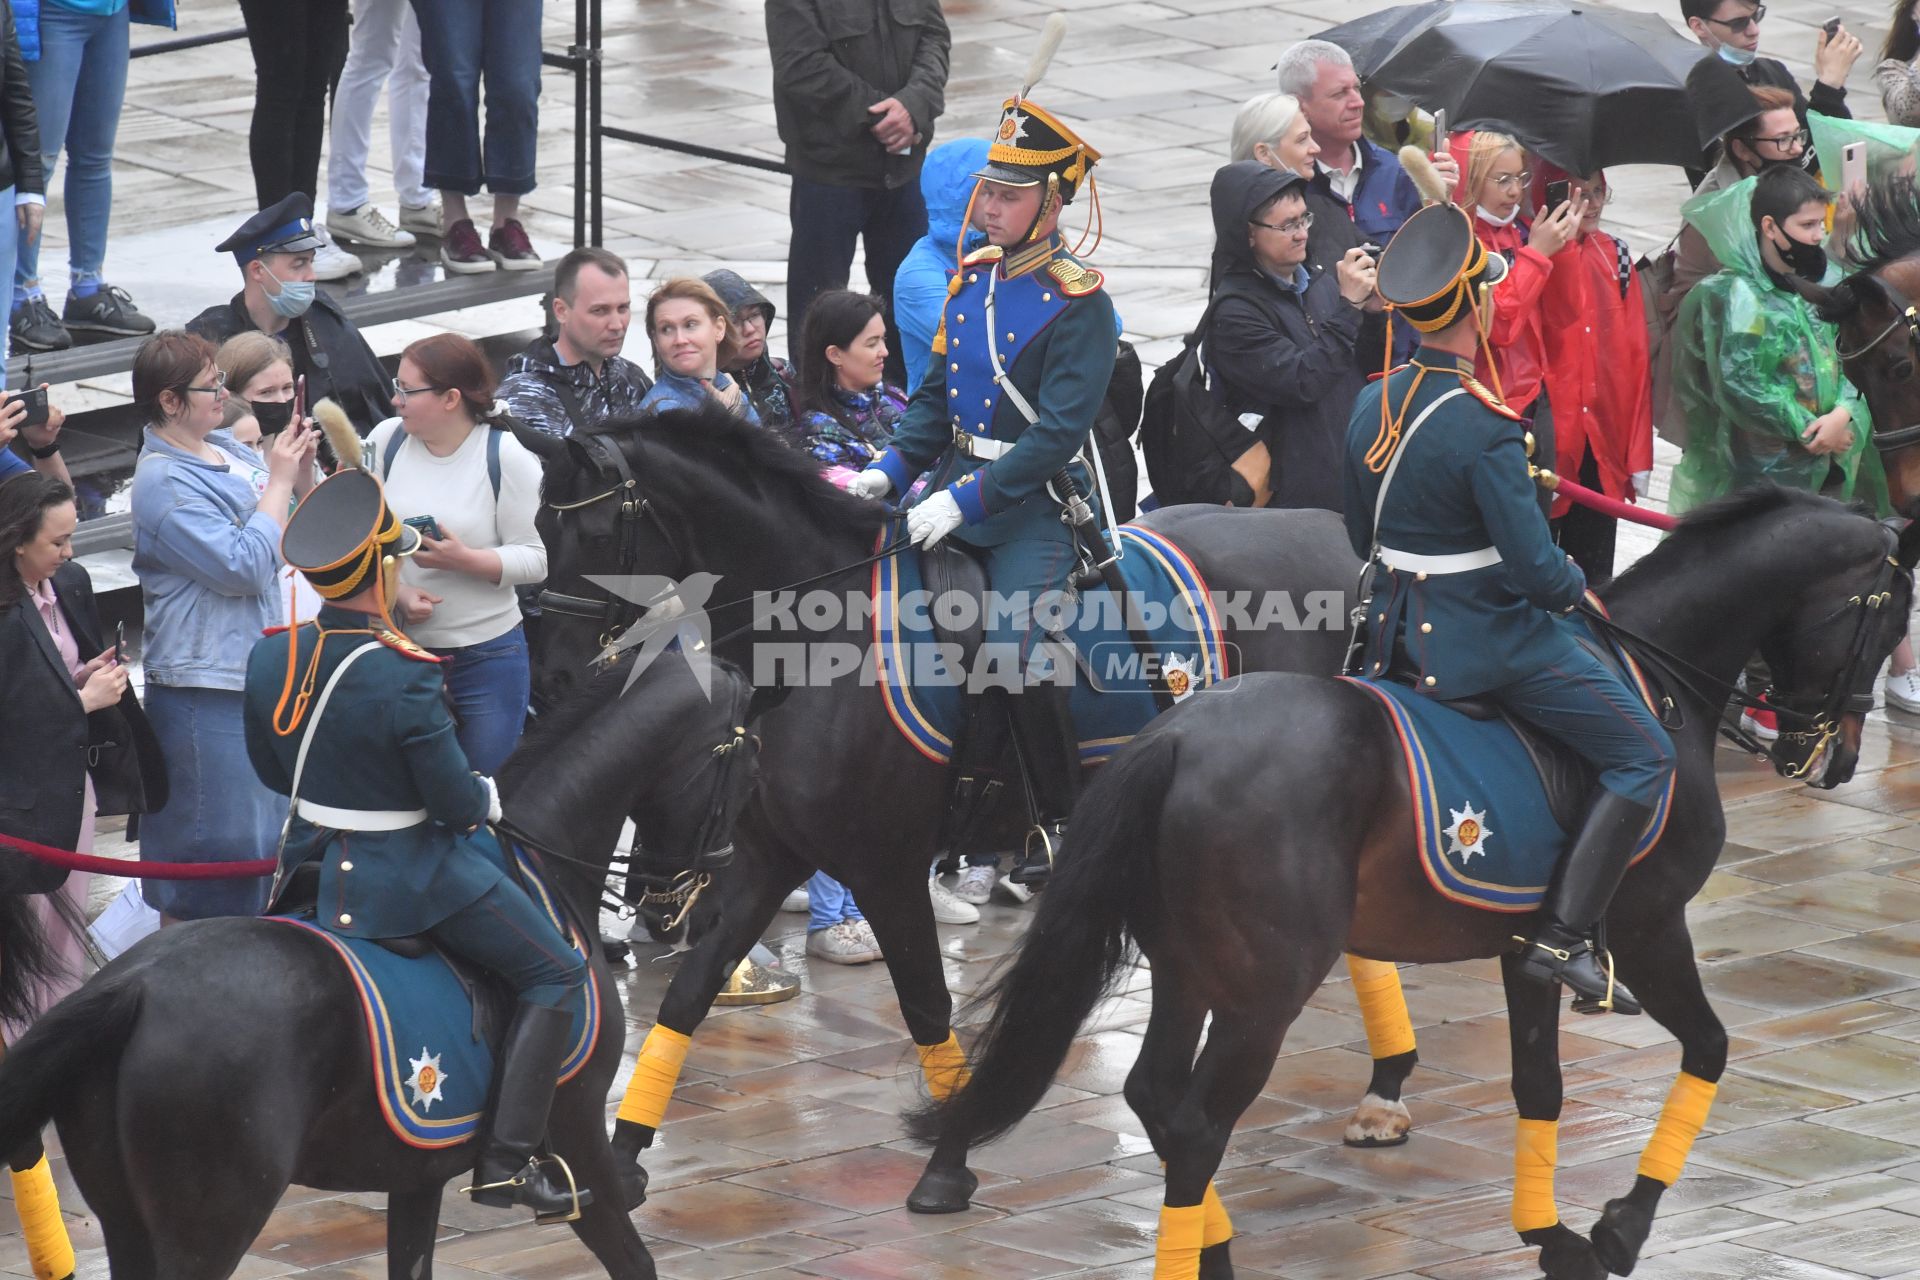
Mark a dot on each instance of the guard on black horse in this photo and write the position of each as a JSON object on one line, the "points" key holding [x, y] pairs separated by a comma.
{"points": [[1022, 359], [348, 717], [1466, 582]]}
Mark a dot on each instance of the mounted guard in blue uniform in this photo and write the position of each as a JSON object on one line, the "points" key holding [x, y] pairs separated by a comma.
{"points": [[1021, 362], [349, 718], [1466, 585]]}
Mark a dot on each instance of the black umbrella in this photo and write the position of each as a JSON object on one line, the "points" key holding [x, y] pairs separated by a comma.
{"points": [[1585, 87]]}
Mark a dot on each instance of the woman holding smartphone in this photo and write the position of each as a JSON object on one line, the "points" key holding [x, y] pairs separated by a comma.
{"points": [[454, 471]]}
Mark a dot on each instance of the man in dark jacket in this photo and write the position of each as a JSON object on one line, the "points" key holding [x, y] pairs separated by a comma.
{"points": [[1731, 29], [275, 249], [857, 85], [1279, 343], [578, 378], [768, 381]]}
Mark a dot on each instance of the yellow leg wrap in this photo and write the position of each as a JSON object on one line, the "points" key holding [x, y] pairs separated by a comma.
{"points": [[1376, 984], [655, 1073], [1535, 1149], [1219, 1227], [1680, 1122], [38, 1204], [1176, 1254], [945, 1067]]}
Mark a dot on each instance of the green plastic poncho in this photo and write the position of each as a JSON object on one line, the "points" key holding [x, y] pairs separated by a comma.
{"points": [[1753, 366]]}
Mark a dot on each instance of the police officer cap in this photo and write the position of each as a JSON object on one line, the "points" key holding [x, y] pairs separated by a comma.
{"points": [[341, 531], [1433, 262], [285, 228], [1030, 144]]}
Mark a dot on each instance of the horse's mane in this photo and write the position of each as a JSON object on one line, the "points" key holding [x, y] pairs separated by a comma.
{"points": [[1737, 508], [1886, 224]]}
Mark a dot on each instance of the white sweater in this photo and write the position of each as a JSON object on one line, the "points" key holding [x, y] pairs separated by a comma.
{"points": [[456, 492]]}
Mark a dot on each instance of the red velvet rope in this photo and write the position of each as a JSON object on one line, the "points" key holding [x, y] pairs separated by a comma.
{"points": [[1613, 506], [140, 870]]}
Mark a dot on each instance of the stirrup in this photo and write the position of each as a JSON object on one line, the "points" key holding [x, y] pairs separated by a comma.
{"points": [[1585, 1004], [521, 1179], [1028, 871]]}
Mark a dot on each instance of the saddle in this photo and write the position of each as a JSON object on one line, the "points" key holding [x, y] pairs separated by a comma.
{"points": [[1567, 778]]}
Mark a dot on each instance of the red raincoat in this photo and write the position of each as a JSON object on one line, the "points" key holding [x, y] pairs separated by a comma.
{"points": [[1519, 347]]}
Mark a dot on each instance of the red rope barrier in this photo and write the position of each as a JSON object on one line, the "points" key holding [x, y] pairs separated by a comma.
{"points": [[140, 870], [1607, 506]]}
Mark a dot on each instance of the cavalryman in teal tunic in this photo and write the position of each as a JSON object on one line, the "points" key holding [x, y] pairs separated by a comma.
{"points": [[1467, 582], [1020, 366], [348, 717]]}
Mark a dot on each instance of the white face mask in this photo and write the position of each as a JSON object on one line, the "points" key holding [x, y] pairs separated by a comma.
{"points": [[1498, 222]]}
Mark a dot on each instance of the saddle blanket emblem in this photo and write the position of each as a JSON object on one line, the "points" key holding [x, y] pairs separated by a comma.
{"points": [[430, 1072], [1483, 829], [1111, 698]]}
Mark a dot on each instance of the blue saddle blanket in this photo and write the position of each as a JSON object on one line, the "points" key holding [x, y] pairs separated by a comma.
{"points": [[1483, 830], [1111, 698], [430, 1072]]}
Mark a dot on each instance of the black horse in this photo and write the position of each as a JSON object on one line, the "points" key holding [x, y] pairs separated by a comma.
{"points": [[1216, 844], [198, 1075], [691, 493]]}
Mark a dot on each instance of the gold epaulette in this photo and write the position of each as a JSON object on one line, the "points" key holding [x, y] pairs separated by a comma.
{"points": [[403, 646], [1486, 397], [985, 253], [1075, 280]]}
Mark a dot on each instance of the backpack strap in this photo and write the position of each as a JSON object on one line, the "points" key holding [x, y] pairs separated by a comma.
{"points": [[391, 451], [493, 458]]}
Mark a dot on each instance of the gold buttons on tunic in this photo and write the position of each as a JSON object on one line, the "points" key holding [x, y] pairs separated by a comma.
{"points": [[953, 368], [1421, 576], [1431, 682], [973, 277], [1046, 297], [987, 401], [981, 427], [960, 319], [1009, 335], [345, 918], [1426, 628], [346, 866], [1380, 617]]}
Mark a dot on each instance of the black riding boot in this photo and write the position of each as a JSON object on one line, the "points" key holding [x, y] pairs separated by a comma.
{"points": [[1050, 752], [510, 1170], [1560, 950]]}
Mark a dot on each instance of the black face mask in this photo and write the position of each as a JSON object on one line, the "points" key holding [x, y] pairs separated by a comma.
{"points": [[1809, 261], [274, 416]]}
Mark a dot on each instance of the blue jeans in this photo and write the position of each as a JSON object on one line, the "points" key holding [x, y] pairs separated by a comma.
{"points": [[78, 85], [506, 933], [1583, 704], [462, 41], [828, 903], [9, 249], [489, 683]]}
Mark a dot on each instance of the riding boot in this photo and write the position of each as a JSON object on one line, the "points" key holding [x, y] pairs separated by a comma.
{"points": [[1583, 885], [1050, 752], [511, 1170]]}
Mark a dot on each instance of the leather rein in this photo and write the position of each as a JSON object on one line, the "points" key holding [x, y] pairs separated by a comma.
{"points": [[1907, 314]]}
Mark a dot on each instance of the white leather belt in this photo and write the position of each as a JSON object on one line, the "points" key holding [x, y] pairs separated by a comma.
{"points": [[325, 815], [982, 447], [1462, 562]]}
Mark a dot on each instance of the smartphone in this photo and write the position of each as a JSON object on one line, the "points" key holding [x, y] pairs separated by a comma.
{"points": [[1853, 166], [36, 402], [426, 525], [1373, 250], [300, 398], [119, 643], [1440, 130], [1558, 193], [1831, 26]]}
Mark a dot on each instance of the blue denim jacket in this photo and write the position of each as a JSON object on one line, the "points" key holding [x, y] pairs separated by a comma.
{"points": [[675, 392], [208, 562]]}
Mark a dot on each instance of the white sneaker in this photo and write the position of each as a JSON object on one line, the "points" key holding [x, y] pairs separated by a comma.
{"points": [[1903, 690], [368, 226], [1018, 892], [331, 262], [849, 942], [421, 219], [948, 909], [975, 885], [798, 902]]}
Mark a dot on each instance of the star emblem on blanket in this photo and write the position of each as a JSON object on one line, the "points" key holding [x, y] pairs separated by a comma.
{"points": [[1468, 834], [1179, 676], [426, 1079]]}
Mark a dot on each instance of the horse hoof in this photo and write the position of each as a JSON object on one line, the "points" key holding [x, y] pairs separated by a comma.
{"points": [[1565, 1255], [1619, 1234], [943, 1191], [633, 1186], [1378, 1122], [1215, 1264]]}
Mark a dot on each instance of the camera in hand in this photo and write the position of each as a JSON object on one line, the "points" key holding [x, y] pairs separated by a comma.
{"points": [[427, 525], [35, 398]]}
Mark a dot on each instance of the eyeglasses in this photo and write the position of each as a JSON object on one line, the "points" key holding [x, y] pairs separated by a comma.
{"points": [[219, 384], [1785, 140], [1740, 26], [1292, 226], [401, 393], [1513, 181], [1596, 197]]}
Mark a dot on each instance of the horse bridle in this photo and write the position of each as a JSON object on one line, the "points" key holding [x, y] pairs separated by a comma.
{"points": [[1905, 313], [613, 612]]}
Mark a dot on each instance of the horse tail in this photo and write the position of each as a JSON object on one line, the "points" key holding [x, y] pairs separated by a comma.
{"points": [[79, 1036], [1072, 956], [30, 963]]}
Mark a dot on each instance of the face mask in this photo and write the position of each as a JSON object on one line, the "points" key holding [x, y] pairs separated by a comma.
{"points": [[294, 298], [1738, 57], [273, 415], [1809, 261], [1498, 222]]}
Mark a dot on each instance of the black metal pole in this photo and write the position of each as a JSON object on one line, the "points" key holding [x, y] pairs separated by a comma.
{"points": [[579, 126], [593, 128], [186, 42]]}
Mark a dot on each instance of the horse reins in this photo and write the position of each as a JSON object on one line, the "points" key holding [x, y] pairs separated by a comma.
{"points": [[1908, 314]]}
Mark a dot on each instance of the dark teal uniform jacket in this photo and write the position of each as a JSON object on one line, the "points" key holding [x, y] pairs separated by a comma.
{"points": [[385, 742], [1462, 487]]}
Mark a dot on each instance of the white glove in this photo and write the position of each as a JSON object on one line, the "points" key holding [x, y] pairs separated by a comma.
{"points": [[933, 519], [1642, 482], [871, 483], [494, 812]]}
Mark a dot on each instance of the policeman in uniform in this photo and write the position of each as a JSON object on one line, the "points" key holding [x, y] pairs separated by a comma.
{"points": [[385, 804], [1020, 366], [1467, 582]]}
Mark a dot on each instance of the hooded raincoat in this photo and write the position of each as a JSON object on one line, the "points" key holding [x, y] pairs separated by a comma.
{"points": [[768, 382], [1753, 366], [920, 285], [1280, 353]]}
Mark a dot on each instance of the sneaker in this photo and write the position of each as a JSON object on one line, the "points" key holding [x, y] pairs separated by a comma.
{"points": [[107, 309], [797, 902], [849, 942], [421, 219], [975, 885], [1018, 892], [948, 909], [1761, 722], [35, 327], [461, 253], [510, 249], [331, 262], [368, 226], [1903, 690]]}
